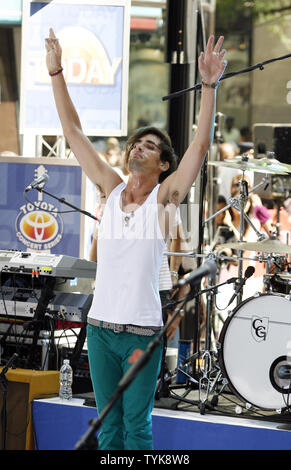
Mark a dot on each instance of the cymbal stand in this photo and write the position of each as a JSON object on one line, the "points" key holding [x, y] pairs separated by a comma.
{"points": [[209, 374], [236, 203], [239, 204], [208, 365], [206, 358]]}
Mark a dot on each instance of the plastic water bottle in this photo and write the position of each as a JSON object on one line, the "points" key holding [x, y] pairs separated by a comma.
{"points": [[66, 380]]}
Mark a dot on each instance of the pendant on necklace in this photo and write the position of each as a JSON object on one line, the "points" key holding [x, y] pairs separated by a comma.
{"points": [[127, 219]]}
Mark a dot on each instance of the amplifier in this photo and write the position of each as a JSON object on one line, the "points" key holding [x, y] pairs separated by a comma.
{"points": [[273, 138], [24, 386]]}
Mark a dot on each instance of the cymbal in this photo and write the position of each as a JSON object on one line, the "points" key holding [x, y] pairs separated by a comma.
{"points": [[259, 165], [273, 164], [265, 246]]}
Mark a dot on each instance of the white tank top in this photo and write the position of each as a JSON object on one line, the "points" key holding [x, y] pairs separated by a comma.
{"points": [[129, 261]]}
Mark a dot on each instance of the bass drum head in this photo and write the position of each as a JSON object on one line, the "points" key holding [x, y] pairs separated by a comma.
{"points": [[255, 352]]}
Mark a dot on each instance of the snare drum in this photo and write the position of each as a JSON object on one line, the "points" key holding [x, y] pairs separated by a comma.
{"points": [[255, 352]]}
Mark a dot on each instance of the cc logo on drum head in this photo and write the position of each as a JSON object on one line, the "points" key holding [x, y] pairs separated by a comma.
{"points": [[260, 328]]}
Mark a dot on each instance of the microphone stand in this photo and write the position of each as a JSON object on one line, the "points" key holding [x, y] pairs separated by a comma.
{"points": [[198, 86], [89, 440], [204, 383], [36, 324], [4, 386], [63, 201]]}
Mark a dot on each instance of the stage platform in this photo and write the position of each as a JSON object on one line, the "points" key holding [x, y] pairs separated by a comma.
{"points": [[60, 425]]}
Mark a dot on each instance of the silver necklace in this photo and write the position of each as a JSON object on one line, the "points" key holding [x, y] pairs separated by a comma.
{"points": [[131, 214]]}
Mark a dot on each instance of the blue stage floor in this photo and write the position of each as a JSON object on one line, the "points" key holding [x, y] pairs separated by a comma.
{"points": [[59, 426]]}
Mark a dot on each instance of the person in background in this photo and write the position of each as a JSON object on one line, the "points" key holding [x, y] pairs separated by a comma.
{"points": [[230, 133], [227, 151], [114, 156], [246, 144]]}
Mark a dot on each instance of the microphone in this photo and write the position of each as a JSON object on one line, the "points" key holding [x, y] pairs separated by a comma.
{"points": [[41, 179], [209, 268], [248, 273]]}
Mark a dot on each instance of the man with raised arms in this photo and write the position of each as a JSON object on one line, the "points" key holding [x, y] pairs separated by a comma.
{"points": [[126, 310]]}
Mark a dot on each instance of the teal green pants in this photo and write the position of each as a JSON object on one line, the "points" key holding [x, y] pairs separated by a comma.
{"points": [[128, 425]]}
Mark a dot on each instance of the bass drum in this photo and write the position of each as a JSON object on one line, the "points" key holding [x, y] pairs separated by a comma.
{"points": [[255, 351]]}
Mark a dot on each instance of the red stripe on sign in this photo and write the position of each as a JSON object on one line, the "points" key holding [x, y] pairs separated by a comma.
{"points": [[143, 23]]}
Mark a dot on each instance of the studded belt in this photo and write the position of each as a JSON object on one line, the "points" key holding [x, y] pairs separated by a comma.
{"points": [[120, 328]]}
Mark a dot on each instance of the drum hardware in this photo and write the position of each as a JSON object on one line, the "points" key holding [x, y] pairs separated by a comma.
{"points": [[206, 365], [269, 166], [213, 379], [279, 188], [244, 192], [261, 168], [207, 368], [214, 155], [276, 263], [239, 204], [240, 201], [219, 256], [209, 375], [277, 282]]}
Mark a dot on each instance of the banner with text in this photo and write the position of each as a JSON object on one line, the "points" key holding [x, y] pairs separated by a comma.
{"points": [[35, 221], [94, 38]]}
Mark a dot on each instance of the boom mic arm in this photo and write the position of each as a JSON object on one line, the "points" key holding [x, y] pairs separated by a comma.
{"points": [[209, 268]]}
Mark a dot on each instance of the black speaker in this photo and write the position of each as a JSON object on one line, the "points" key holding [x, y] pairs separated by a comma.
{"points": [[273, 138], [24, 386]]}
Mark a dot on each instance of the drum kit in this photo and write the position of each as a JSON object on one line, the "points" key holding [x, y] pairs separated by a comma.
{"points": [[251, 355]]}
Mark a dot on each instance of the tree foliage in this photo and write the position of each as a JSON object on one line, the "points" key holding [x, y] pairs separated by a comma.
{"points": [[238, 15]]}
